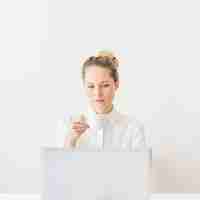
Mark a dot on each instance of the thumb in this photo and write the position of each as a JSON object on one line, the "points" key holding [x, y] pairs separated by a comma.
{"points": [[82, 117]]}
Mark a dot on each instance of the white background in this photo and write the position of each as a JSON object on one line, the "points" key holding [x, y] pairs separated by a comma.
{"points": [[42, 47]]}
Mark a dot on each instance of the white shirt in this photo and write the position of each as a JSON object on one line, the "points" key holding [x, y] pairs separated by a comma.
{"points": [[111, 130]]}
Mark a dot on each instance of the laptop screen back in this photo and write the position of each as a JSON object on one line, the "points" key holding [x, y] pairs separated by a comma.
{"points": [[110, 175]]}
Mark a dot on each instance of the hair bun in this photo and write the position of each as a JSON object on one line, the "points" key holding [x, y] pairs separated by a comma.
{"points": [[108, 54], [105, 53]]}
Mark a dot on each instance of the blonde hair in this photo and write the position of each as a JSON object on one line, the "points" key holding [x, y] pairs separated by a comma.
{"points": [[104, 59]]}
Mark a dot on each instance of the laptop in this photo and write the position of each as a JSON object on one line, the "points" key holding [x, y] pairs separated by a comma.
{"points": [[95, 175]]}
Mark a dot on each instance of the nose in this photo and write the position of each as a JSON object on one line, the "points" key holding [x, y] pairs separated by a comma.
{"points": [[98, 92]]}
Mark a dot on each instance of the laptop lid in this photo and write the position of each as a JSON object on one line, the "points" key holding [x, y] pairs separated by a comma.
{"points": [[95, 175]]}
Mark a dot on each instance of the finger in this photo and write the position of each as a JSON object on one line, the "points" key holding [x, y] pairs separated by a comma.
{"points": [[77, 122], [79, 132], [81, 125], [78, 127]]}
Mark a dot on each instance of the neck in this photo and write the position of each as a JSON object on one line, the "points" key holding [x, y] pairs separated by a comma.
{"points": [[108, 110]]}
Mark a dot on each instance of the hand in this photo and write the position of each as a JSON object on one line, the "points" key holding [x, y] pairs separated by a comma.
{"points": [[77, 128]]}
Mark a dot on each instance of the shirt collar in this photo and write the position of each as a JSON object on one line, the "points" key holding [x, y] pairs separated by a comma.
{"points": [[111, 116]]}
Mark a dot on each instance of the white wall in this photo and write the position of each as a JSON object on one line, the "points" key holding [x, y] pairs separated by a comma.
{"points": [[22, 108], [158, 46]]}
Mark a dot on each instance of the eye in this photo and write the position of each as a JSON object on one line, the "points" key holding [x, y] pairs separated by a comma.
{"points": [[90, 86], [106, 85]]}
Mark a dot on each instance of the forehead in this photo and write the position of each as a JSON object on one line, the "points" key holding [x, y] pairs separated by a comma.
{"points": [[95, 74]]}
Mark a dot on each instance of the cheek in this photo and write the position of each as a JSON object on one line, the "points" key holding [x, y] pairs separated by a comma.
{"points": [[109, 93], [88, 92]]}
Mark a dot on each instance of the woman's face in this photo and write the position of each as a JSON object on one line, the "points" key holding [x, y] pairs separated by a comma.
{"points": [[100, 88]]}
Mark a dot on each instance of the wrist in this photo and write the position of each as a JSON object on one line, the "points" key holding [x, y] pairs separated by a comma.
{"points": [[73, 139]]}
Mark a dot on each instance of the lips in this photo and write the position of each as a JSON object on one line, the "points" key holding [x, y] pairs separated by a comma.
{"points": [[99, 100]]}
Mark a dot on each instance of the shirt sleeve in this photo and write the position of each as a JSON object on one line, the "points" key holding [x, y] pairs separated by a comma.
{"points": [[137, 140]]}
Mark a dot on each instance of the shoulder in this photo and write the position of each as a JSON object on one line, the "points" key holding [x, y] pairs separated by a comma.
{"points": [[129, 120]]}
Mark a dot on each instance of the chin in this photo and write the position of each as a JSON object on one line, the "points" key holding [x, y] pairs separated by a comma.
{"points": [[99, 109]]}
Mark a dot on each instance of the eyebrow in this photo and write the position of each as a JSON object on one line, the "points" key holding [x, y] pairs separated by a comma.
{"points": [[100, 82]]}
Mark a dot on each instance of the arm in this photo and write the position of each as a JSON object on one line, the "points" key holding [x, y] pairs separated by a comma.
{"points": [[136, 136], [63, 133], [70, 141]]}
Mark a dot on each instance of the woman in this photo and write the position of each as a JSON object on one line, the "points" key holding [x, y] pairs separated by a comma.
{"points": [[103, 126]]}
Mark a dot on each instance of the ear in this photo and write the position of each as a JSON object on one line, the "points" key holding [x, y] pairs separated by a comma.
{"points": [[116, 84]]}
